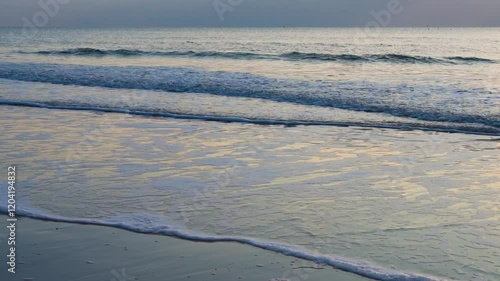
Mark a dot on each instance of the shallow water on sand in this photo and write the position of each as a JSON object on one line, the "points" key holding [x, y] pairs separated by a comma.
{"points": [[379, 202]]}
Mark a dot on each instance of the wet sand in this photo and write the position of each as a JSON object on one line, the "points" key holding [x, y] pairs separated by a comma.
{"points": [[66, 252]]}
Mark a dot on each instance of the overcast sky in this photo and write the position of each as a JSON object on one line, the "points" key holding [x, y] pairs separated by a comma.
{"points": [[232, 13]]}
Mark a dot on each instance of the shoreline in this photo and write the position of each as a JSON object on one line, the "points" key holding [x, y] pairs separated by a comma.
{"points": [[304, 179], [66, 251]]}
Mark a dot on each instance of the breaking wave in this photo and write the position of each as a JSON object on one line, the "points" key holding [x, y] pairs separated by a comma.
{"points": [[476, 110]]}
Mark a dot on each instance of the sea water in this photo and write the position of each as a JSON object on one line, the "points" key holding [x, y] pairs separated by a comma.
{"points": [[373, 153]]}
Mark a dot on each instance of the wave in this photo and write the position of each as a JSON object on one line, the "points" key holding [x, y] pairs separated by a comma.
{"points": [[389, 58], [131, 52], [473, 59], [144, 224], [478, 111]]}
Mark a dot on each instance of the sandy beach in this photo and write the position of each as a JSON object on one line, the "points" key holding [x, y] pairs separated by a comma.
{"points": [[250, 153], [60, 251]]}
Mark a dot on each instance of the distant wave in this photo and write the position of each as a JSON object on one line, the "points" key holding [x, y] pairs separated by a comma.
{"points": [[473, 59], [127, 52], [389, 58], [478, 113], [392, 58], [145, 225]]}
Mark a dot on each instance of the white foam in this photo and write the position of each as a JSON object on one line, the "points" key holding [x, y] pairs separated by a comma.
{"points": [[146, 225]]}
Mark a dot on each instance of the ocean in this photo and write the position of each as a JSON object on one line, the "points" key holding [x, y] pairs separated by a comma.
{"points": [[375, 152]]}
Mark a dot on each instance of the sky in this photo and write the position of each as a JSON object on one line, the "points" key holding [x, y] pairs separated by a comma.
{"points": [[249, 13]]}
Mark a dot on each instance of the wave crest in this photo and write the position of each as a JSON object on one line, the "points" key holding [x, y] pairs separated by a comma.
{"points": [[388, 58]]}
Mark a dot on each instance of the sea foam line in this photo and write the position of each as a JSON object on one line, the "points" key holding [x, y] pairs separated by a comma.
{"points": [[360, 268], [234, 119]]}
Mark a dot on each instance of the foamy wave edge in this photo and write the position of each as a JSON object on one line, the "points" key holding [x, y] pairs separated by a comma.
{"points": [[235, 119], [360, 268]]}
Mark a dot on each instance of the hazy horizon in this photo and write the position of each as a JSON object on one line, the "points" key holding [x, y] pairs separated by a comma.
{"points": [[245, 13]]}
